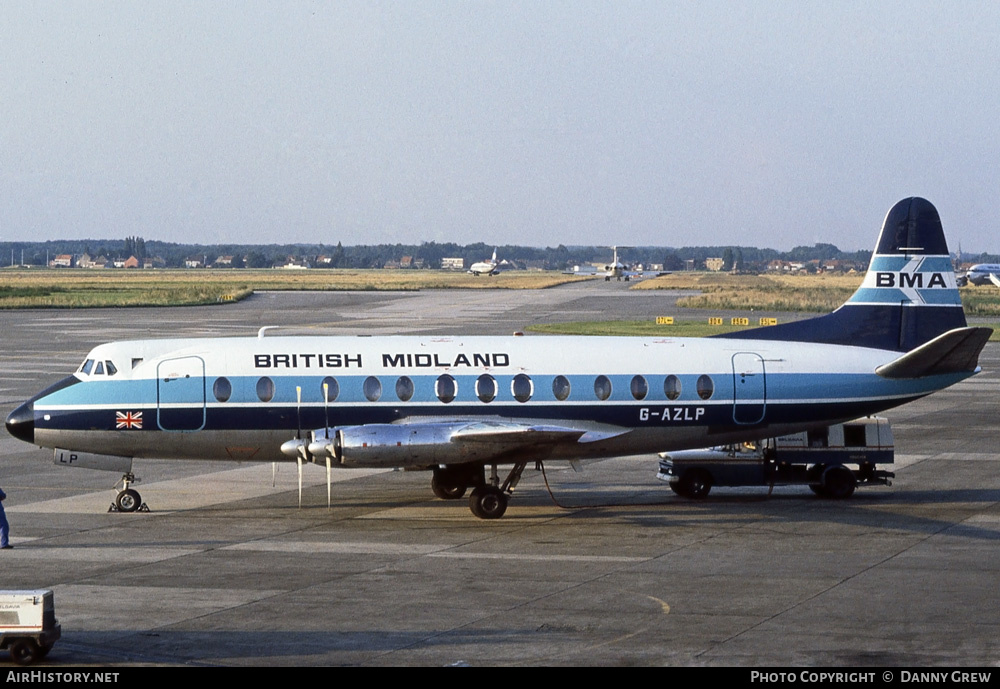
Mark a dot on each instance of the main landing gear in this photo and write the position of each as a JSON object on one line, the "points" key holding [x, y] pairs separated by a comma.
{"points": [[489, 498], [128, 500]]}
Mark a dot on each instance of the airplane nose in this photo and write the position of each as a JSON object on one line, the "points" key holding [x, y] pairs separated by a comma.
{"points": [[21, 423]]}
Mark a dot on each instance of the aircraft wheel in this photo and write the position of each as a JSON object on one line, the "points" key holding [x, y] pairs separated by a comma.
{"points": [[445, 489], [24, 651], [488, 502], [838, 483], [128, 501], [695, 483], [814, 475]]}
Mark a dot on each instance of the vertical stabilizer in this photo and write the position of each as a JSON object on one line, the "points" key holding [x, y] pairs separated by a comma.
{"points": [[909, 295]]}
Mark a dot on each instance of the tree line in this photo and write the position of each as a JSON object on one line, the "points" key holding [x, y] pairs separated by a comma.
{"points": [[426, 254]]}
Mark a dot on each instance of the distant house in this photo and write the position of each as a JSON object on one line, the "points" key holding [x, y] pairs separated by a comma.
{"points": [[88, 261], [714, 264], [293, 263], [62, 261], [406, 262], [453, 263], [154, 262], [194, 262], [223, 262], [131, 262]]}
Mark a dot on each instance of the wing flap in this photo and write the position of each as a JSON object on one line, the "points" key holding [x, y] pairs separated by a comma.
{"points": [[956, 351]]}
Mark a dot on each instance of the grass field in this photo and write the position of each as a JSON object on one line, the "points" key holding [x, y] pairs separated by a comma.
{"points": [[80, 288]]}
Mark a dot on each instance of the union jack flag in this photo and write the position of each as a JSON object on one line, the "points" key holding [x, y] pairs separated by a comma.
{"points": [[128, 419]]}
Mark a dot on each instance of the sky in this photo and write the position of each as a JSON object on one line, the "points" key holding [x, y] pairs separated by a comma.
{"points": [[773, 124]]}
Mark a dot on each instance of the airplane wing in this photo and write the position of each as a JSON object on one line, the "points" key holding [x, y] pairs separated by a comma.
{"points": [[433, 440], [520, 434], [952, 352]]}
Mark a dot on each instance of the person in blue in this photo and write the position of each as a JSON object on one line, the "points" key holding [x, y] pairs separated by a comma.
{"points": [[4, 526]]}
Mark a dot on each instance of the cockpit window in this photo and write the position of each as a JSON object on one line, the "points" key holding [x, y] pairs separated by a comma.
{"points": [[99, 370], [87, 366], [110, 367]]}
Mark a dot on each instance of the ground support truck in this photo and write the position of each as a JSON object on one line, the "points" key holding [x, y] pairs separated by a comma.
{"points": [[832, 461], [28, 626]]}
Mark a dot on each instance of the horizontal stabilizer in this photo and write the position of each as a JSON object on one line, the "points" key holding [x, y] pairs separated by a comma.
{"points": [[955, 351]]}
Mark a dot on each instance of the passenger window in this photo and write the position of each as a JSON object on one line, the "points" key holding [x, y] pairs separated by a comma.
{"points": [[705, 387], [521, 387], [110, 368], [265, 389], [372, 388], [560, 388], [602, 387], [672, 387], [446, 388], [854, 436], [222, 389], [330, 389], [404, 388], [486, 388], [639, 388]]}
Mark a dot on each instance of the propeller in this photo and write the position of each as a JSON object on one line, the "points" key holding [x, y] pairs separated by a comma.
{"points": [[297, 447]]}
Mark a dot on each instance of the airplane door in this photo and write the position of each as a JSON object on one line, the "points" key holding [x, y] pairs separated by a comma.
{"points": [[749, 388], [180, 394]]}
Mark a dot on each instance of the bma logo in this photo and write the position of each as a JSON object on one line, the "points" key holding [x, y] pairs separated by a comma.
{"points": [[910, 280]]}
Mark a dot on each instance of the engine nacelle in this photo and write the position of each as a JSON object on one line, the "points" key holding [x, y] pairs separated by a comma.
{"points": [[405, 445], [89, 460]]}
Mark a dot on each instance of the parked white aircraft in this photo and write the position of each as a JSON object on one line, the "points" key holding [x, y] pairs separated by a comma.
{"points": [[490, 267], [462, 406], [984, 273]]}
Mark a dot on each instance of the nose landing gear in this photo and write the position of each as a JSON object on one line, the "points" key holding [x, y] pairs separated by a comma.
{"points": [[128, 500]]}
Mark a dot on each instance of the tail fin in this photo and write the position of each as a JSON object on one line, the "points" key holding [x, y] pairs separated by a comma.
{"points": [[909, 296]]}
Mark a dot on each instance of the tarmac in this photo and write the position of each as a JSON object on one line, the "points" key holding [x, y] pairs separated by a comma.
{"points": [[227, 570]]}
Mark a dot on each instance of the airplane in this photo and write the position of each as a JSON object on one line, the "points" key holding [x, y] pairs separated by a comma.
{"points": [[618, 270], [984, 273], [460, 407], [490, 267]]}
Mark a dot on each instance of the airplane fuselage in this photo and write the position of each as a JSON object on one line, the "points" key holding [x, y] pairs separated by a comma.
{"points": [[238, 398], [980, 274]]}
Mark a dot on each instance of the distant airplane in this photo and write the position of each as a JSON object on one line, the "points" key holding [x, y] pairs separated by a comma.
{"points": [[459, 407], [618, 270], [984, 273], [490, 267]]}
